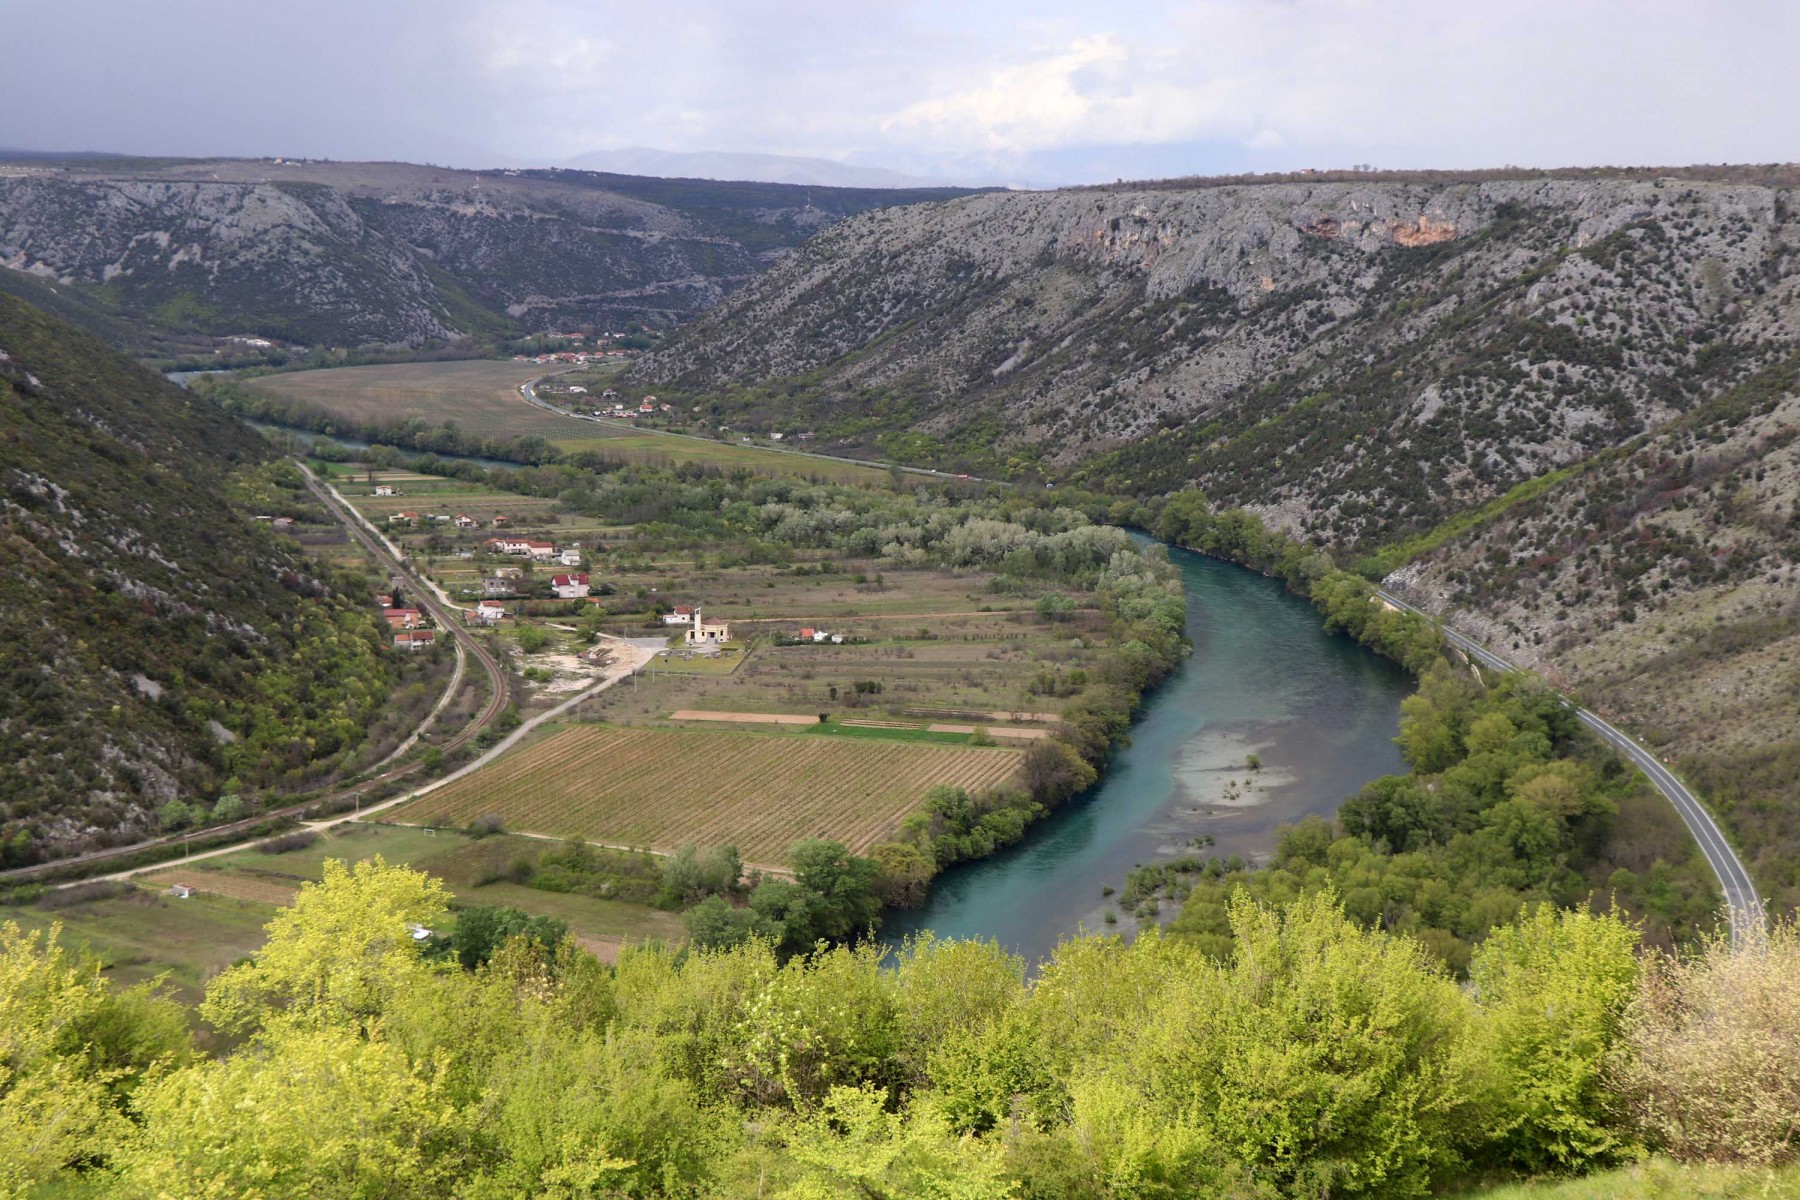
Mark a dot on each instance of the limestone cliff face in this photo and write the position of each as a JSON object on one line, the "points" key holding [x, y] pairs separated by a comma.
{"points": [[251, 257], [357, 253], [1355, 360]]}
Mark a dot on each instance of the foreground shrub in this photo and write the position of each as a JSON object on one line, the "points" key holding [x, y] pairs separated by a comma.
{"points": [[1319, 1062], [1710, 1068], [1552, 991]]}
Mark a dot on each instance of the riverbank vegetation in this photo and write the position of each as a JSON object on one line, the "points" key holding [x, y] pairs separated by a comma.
{"points": [[1347, 600], [1313, 1058], [1509, 805]]}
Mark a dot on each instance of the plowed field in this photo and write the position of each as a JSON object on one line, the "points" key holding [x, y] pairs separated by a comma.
{"points": [[660, 788]]}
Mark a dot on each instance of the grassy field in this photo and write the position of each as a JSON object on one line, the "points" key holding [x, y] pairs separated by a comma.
{"points": [[943, 666], [933, 639], [661, 788], [482, 397], [145, 932]]}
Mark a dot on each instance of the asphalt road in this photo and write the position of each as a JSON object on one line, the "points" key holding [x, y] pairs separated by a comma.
{"points": [[1743, 905]]}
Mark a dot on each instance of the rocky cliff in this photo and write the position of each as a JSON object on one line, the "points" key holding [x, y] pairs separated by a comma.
{"points": [[1355, 360], [357, 253]]}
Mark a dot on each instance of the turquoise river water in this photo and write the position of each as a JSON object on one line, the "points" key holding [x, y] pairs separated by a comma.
{"points": [[1266, 679]]}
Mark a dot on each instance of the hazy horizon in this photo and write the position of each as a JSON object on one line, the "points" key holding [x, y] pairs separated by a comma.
{"points": [[1051, 93]]}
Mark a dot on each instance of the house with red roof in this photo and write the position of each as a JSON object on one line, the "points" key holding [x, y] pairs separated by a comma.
{"points": [[569, 587]]}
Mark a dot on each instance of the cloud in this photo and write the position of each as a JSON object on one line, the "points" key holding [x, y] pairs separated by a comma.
{"points": [[1007, 89]]}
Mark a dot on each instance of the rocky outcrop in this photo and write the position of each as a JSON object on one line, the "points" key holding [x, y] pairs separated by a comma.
{"points": [[1355, 360], [358, 253]]}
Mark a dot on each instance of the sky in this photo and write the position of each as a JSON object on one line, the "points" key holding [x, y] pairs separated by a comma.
{"points": [[1032, 92]]}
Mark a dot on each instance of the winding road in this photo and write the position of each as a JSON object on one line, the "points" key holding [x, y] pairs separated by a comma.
{"points": [[1743, 906]]}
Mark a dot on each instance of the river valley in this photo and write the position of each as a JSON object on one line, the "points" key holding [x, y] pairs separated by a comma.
{"points": [[1318, 711]]}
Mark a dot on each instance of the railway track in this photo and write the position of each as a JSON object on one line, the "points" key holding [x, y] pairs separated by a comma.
{"points": [[446, 617]]}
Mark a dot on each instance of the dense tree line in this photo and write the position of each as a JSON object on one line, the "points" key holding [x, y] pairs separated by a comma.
{"points": [[1348, 601], [1311, 1057]]}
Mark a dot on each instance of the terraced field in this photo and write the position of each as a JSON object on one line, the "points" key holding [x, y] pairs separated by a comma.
{"points": [[660, 788]]}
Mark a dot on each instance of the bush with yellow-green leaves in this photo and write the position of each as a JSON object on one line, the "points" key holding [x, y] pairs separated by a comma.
{"points": [[1314, 1058]]}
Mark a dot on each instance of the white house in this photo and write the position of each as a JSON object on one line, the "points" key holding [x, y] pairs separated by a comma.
{"points": [[490, 612], [523, 547], [385, 489], [570, 557], [465, 521], [683, 615], [569, 587]]}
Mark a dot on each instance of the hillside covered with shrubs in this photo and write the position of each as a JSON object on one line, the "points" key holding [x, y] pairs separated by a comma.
{"points": [[157, 646]]}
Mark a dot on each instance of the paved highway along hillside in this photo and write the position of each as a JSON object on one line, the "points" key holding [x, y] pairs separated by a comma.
{"points": [[1743, 905]]}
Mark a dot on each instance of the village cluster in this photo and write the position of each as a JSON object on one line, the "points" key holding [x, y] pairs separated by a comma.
{"points": [[501, 584], [612, 406]]}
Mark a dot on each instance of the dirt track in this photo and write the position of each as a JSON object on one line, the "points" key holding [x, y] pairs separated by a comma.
{"points": [[742, 718]]}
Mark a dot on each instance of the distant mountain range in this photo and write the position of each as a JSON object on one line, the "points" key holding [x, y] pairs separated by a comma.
{"points": [[169, 256], [762, 168]]}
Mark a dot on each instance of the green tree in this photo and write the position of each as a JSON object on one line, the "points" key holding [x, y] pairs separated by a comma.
{"points": [[691, 874], [339, 953], [840, 886], [1552, 991], [484, 928], [55, 1106], [321, 1111], [176, 814]]}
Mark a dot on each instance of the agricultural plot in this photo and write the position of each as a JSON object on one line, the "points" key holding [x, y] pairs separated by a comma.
{"points": [[482, 397], [660, 788]]}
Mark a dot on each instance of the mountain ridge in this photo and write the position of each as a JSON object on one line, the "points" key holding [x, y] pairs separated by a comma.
{"points": [[1256, 339], [347, 254]]}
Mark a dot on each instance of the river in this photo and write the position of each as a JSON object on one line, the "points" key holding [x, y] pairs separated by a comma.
{"points": [[1265, 678]]}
